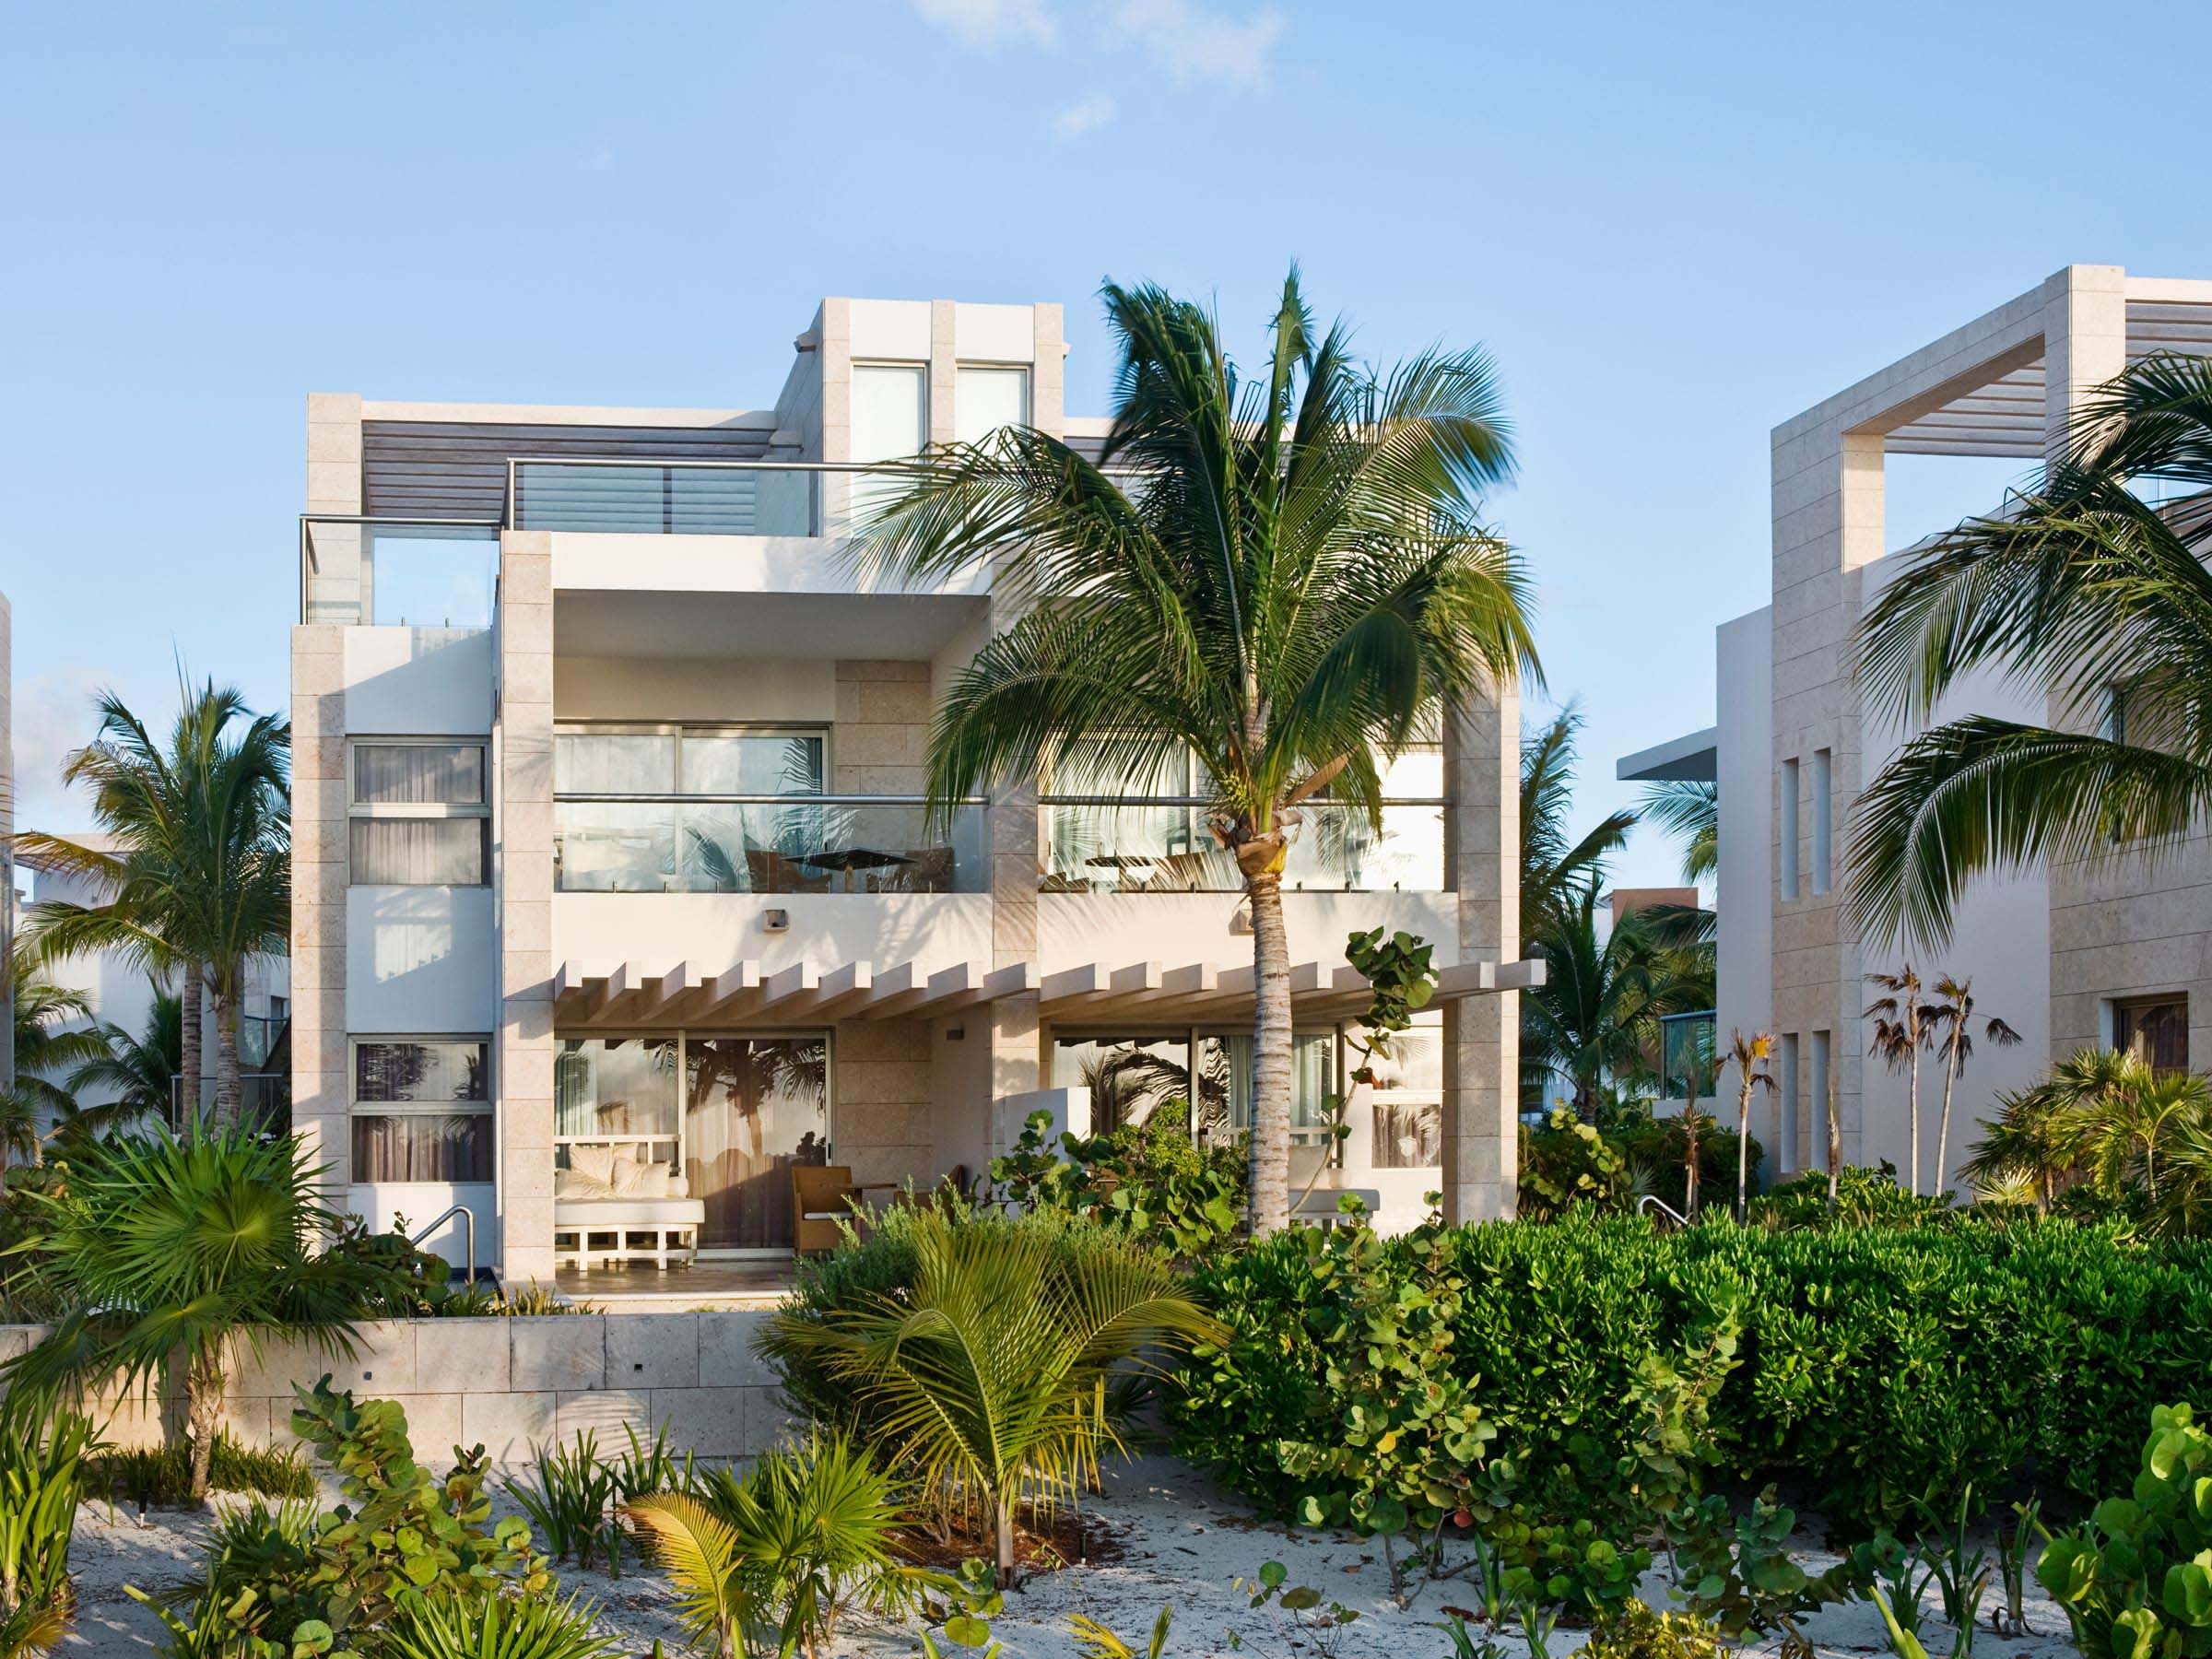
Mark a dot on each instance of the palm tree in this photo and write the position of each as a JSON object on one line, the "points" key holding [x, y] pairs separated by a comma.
{"points": [[1553, 869], [1954, 1016], [1596, 1016], [43, 1051], [1750, 1055], [199, 882], [139, 1071], [1691, 810], [2087, 592], [172, 1248], [1291, 586], [990, 1375], [1901, 1028]]}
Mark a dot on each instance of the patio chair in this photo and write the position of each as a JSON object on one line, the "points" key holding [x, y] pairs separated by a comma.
{"points": [[819, 1194]]}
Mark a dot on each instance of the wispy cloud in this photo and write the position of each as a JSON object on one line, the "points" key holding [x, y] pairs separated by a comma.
{"points": [[1195, 43], [992, 23], [1093, 113]]}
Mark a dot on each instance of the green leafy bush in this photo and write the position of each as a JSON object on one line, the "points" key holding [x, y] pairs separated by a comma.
{"points": [[1864, 1198], [1641, 1632], [1147, 1179], [39, 1475], [1626, 1153], [162, 1478], [1887, 1367], [2135, 1580]]}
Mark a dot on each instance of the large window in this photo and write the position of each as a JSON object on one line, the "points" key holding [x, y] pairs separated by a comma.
{"points": [[422, 1109], [986, 397], [1407, 1098], [1132, 1075], [729, 1113], [417, 814], [2155, 1029]]}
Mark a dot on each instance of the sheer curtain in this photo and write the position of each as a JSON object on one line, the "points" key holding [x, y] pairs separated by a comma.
{"points": [[396, 852], [753, 1106], [419, 774]]}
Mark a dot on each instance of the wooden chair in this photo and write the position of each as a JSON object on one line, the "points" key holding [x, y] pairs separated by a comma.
{"points": [[819, 1194]]}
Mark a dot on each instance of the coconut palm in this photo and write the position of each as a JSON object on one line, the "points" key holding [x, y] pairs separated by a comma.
{"points": [[170, 1249], [2084, 592], [1902, 1028], [1595, 1019], [199, 878], [1281, 582], [139, 1072], [48, 1043], [1691, 810], [1749, 1055], [989, 1377], [1954, 1016], [1554, 869]]}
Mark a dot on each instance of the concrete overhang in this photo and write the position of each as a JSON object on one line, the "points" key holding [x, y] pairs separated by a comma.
{"points": [[1692, 758]]}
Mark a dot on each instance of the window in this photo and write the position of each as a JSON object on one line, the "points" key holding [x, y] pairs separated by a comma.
{"points": [[1789, 828], [1824, 1099], [418, 815], [1785, 1100], [1822, 836], [422, 1109], [986, 399], [2155, 1029], [1132, 1075], [1408, 1099], [890, 414]]}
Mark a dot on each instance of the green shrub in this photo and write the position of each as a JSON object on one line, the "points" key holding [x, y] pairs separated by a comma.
{"points": [[1611, 1163], [567, 1497], [1640, 1631], [38, 1475], [1887, 1367], [1864, 1198], [1147, 1179], [498, 1628], [162, 1478], [2135, 1580]]}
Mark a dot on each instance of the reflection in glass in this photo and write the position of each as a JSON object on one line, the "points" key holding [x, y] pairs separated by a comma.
{"points": [[753, 1106], [614, 1087], [1129, 1077], [422, 1147]]}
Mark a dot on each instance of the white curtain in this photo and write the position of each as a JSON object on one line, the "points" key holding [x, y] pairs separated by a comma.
{"points": [[419, 774], [419, 851]]}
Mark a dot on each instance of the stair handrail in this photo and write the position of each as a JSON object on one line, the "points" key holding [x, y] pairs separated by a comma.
{"points": [[1652, 1201], [468, 1231]]}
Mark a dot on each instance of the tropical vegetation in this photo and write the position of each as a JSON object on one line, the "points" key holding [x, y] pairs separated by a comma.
{"points": [[197, 867], [1284, 580]]}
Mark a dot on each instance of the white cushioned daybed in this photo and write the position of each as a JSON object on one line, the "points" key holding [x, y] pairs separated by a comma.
{"points": [[608, 1207]]}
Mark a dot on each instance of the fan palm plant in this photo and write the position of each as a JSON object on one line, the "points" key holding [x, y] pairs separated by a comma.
{"points": [[989, 1378], [1282, 580], [1750, 1056], [1903, 1029], [170, 1249], [2087, 592], [198, 881], [1954, 1016]]}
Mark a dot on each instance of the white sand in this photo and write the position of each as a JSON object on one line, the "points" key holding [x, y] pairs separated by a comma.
{"points": [[1182, 1542]]}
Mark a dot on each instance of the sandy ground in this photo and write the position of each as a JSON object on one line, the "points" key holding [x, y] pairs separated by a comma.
{"points": [[1180, 1542]]}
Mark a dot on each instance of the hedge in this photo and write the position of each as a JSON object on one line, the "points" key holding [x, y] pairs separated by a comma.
{"points": [[1881, 1369]]}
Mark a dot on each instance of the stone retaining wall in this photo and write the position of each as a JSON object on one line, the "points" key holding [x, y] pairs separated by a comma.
{"points": [[510, 1383]]}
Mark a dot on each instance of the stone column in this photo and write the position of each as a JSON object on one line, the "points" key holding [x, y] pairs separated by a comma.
{"points": [[523, 827], [321, 1100], [1482, 1034]]}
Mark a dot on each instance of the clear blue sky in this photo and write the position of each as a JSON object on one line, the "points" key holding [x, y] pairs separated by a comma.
{"points": [[1674, 226]]}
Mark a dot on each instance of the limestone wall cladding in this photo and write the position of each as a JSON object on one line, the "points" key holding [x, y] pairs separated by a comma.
{"points": [[508, 1383]]}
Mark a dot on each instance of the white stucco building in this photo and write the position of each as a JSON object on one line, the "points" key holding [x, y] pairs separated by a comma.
{"points": [[609, 839], [2115, 951]]}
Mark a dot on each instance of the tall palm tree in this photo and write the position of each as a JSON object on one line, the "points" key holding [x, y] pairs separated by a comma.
{"points": [[1690, 808], [1596, 1018], [1281, 580], [1901, 1029], [1954, 1016], [2081, 589], [47, 1045], [1553, 868], [199, 883], [1750, 1055]]}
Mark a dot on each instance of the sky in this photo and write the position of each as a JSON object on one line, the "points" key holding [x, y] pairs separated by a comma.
{"points": [[1673, 227]]}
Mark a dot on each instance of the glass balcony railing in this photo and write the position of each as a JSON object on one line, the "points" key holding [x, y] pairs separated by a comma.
{"points": [[1686, 1051], [413, 572], [718, 497], [623, 843], [1096, 844]]}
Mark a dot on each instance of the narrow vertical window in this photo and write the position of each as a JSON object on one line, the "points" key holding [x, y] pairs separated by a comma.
{"points": [[987, 398], [1822, 859], [1824, 1099], [1786, 1158], [1789, 828]]}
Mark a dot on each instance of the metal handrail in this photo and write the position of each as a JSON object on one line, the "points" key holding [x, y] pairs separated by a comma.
{"points": [[1177, 800], [468, 1231], [1652, 1201], [671, 798]]}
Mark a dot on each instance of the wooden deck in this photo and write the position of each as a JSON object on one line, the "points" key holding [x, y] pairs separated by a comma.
{"points": [[639, 1289]]}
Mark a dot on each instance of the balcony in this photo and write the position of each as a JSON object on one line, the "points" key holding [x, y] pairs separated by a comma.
{"points": [[423, 573], [765, 843], [710, 498], [1161, 844]]}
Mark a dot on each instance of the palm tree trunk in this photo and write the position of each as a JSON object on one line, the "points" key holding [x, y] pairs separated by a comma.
{"points": [[1835, 1147], [1912, 1107], [188, 1054], [202, 1416], [1743, 1149], [1943, 1126], [1005, 1528], [1689, 1162], [226, 1060], [1270, 1148]]}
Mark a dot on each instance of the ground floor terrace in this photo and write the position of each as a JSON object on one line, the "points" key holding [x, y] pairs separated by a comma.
{"points": [[702, 1128]]}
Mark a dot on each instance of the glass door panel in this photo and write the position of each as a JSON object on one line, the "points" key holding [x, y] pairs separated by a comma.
{"points": [[753, 1106]]}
